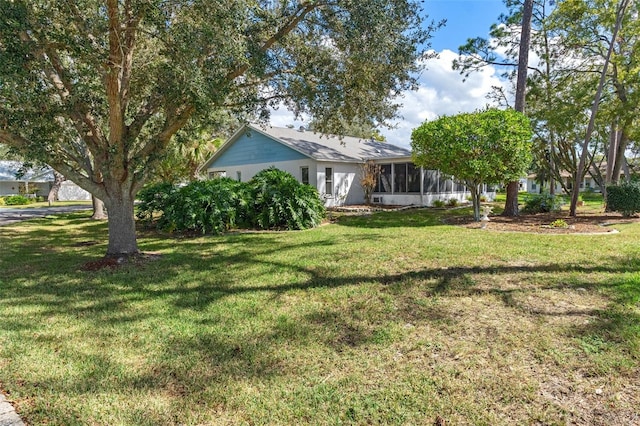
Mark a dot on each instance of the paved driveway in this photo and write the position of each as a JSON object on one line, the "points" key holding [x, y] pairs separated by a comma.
{"points": [[12, 215]]}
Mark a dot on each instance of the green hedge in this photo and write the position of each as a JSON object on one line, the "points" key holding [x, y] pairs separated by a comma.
{"points": [[273, 199], [281, 202], [624, 198]]}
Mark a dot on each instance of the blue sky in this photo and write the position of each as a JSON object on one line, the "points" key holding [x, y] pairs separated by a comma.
{"points": [[441, 90], [465, 19]]}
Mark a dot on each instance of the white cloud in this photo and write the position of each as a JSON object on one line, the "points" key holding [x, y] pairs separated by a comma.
{"points": [[441, 91]]}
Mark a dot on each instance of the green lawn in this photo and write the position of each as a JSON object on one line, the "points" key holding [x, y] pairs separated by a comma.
{"points": [[391, 318]]}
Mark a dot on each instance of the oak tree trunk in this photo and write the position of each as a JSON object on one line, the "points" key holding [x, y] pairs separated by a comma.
{"points": [[98, 209], [58, 178], [122, 226]]}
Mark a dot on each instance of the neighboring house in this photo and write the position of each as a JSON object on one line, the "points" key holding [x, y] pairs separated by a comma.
{"points": [[587, 184], [38, 181], [332, 165]]}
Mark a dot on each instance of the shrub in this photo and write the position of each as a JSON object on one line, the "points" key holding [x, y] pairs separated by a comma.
{"points": [[624, 198], [210, 206], [281, 202], [452, 202], [16, 200], [438, 204], [542, 203], [2, 203], [153, 199], [559, 223]]}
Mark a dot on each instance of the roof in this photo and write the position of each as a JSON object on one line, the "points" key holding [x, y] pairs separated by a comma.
{"points": [[8, 170], [321, 147]]}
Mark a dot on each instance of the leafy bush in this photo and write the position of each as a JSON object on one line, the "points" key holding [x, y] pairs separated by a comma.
{"points": [[438, 204], [153, 199], [281, 202], [542, 203], [452, 202], [16, 200], [559, 223], [624, 198], [2, 203], [272, 200]]}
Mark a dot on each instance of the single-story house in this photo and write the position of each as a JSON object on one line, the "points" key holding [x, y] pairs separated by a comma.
{"points": [[35, 181], [333, 165], [587, 184]]}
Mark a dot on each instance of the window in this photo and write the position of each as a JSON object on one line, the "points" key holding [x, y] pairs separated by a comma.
{"points": [[445, 184], [304, 175], [328, 181], [384, 180], [217, 174], [239, 176]]}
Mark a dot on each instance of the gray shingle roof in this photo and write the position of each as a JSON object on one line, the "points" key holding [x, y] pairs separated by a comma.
{"points": [[323, 147]]}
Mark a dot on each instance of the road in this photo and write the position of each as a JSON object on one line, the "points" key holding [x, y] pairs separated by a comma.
{"points": [[10, 215]]}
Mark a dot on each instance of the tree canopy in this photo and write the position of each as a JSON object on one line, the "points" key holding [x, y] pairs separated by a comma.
{"points": [[490, 146], [98, 89]]}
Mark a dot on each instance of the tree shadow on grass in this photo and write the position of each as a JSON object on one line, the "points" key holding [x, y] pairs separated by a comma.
{"points": [[410, 218], [197, 288]]}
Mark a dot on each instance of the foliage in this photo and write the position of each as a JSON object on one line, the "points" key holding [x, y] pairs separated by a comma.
{"points": [[98, 89], [281, 202], [438, 203], [351, 323], [210, 206], [559, 223], [624, 198], [490, 146], [154, 199], [16, 200], [452, 202], [369, 173], [542, 203], [2, 202], [273, 199]]}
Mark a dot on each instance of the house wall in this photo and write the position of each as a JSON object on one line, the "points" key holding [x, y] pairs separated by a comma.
{"points": [[13, 187], [69, 191], [346, 186], [247, 171], [256, 149], [588, 184]]}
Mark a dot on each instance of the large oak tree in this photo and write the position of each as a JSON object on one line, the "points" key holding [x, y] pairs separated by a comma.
{"points": [[99, 88]]}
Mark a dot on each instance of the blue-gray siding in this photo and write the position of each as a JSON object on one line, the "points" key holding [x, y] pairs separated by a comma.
{"points": [[255, 148]]}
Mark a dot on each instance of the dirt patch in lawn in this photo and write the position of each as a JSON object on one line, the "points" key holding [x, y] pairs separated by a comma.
{"points": [[547, 223]]}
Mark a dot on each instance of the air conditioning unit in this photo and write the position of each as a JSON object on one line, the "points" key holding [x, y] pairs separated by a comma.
{"points": [[377, 200]]}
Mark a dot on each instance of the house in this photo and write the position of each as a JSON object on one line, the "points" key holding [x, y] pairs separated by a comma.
{"points": [[35, 181], [332, 165], [588, 184], [32, 182]]}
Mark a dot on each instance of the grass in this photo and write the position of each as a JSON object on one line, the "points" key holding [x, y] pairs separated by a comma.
{"points": [[391, 318]]}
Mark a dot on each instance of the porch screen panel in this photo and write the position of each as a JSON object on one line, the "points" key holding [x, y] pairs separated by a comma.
{"points": [[413, 178], [430, 181], [445, 184], [459, 187], [400, 177], [384, 180]]}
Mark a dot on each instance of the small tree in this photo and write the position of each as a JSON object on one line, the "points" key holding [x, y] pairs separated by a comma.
{"points": [[369, 172], [490, 146]]}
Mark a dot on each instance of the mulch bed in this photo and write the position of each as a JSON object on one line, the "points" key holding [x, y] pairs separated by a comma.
{"points": [[541, 223]]}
